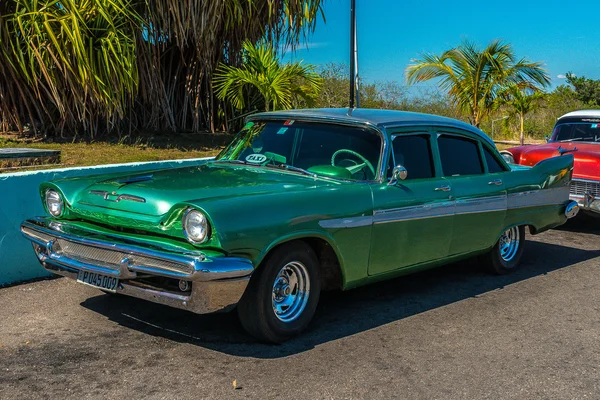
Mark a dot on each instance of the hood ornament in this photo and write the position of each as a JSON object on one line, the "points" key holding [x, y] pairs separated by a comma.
{"points": [[564, 151], [117, 198]]}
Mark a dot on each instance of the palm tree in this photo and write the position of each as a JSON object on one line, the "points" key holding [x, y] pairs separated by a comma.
{"points": [[280, 86], [521, 101], [473, 78]]}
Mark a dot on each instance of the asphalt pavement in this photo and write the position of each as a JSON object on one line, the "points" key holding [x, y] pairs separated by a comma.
{"points": [[455, 332]]}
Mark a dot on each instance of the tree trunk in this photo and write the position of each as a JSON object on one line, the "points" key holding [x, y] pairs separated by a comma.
{"points": [[476, 120], [522, 130]]}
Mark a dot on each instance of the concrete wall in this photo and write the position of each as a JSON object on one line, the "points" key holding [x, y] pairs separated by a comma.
{"points": [[20, 199]]}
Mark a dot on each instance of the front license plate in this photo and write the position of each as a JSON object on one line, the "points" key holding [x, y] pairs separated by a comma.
{"points": [[99, 281]]}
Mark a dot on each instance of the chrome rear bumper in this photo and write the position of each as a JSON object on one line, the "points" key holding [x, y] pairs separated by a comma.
{"points": [[217, 283]]}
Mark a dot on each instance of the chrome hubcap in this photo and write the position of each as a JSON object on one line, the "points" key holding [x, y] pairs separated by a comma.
{"points": [[291, 291], [509, 244]]}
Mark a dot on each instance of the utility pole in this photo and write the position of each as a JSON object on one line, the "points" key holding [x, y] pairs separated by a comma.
{"points": [[354, 94], [494, 120]]}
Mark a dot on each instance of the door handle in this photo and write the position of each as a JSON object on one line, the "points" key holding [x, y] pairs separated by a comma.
{"points": [[496, 182], [444, 188]]}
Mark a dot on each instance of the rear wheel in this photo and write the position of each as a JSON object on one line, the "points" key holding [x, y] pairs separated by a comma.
{"points": [[282, 295], [506, 254]]}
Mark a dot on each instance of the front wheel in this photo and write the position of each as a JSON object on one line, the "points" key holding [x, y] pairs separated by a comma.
{"points": [[282, 295], [506, 254]]}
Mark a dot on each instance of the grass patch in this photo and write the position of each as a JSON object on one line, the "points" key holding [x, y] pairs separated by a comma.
{"points": [[124, 150], [74, 154]]}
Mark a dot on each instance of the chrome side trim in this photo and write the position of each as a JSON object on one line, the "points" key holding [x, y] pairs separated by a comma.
{"points": [[481, 204], [433, 210], [498, 203], [536, 198], [354, 222]]}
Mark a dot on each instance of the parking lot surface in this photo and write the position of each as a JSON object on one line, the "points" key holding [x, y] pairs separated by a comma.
{"points": [[455, 332]]}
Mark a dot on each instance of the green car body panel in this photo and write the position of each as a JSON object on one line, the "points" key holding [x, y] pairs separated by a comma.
{"points": [[375, 229]]}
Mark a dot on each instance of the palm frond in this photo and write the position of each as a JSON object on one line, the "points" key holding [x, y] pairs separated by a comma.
{"points": [[474, 77]]}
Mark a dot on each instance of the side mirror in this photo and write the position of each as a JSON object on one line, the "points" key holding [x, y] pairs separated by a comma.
{"points": [[399, 173], [547, 137]]}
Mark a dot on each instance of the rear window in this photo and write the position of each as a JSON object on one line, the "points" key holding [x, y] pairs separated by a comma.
{"points": [[460, 156], [492, 162]]}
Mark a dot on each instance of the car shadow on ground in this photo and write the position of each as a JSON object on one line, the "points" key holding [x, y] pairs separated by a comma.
{"points": [[583, 223], [340, 314]]}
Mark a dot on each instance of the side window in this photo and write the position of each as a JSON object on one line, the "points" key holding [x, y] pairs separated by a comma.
{"points": [[413, 152], [460, 156], [492, 162]]}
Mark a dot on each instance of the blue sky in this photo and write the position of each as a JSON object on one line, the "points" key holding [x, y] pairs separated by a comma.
{"points": [[565, 36]]}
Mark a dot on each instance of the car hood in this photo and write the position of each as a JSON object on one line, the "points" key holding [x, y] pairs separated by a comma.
{"points": [[587, 156], [155, 193]]}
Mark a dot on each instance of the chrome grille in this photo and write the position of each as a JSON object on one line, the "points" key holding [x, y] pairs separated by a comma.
{"points": [[89, 254], [162, 264], [580, 188], [112, 259]]}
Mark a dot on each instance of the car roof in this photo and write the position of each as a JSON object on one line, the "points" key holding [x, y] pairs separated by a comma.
{"points": [[582, 113], [379, 118]]}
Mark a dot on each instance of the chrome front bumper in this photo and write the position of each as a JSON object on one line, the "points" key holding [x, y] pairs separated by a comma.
{"points": [[217, 283], [586, 193]]}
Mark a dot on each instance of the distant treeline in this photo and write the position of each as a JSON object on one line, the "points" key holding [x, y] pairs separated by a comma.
{"points": [[576, 94]]}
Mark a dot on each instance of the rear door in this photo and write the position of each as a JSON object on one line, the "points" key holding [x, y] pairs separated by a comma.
{"points": [[477, 181]]}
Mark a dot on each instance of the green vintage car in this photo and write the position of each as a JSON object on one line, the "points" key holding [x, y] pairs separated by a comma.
{"points": [[300, 202]]}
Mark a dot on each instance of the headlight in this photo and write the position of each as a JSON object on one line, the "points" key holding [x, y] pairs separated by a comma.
{"points": [[195, 226], [54, 203], [508, 157]]}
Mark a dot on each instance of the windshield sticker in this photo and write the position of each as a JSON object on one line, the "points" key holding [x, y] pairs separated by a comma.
{"points": [[256, 158], [248, 125], [288, 122], [281, 131], [594, 126]]}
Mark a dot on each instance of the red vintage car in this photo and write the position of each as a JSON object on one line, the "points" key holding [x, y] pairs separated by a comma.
{"points": [[577, 133]]}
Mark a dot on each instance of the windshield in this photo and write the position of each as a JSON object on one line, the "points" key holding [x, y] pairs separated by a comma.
{"points": [[577, 131], [316, 148]]}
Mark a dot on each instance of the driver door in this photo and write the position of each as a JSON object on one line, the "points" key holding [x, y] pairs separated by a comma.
{"points": [[413, 219]]}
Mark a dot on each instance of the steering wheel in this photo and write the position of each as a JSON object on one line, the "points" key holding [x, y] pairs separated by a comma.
{"points": [[355, 168]]}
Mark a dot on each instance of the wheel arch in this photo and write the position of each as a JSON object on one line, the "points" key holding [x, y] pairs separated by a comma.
{"points": [[328, 254], [527, 224]]}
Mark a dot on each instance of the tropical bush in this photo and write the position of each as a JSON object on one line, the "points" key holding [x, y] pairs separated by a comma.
{"points": [[93, 66], [264, 83]]}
